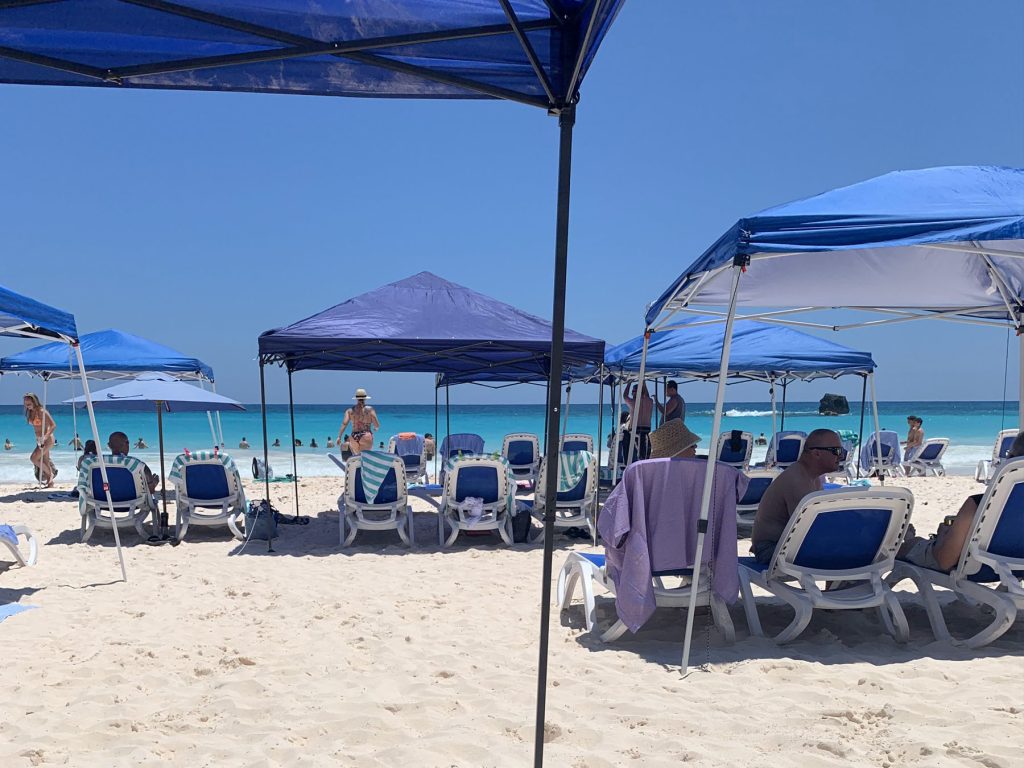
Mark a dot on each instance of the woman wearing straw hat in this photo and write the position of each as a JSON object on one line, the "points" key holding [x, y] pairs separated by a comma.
{"points": [[362, 417], [673, 439]]}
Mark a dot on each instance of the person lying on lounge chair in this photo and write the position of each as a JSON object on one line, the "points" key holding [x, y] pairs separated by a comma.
{"points": [[823, 454], [941, 550]]}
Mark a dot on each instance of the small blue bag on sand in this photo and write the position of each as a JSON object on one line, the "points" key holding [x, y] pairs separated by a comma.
{"points": [[260, 521]]}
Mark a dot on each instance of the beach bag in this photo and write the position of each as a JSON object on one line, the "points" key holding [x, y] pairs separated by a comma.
{"points": [[261, 470], [260, 521], [521, 524]]}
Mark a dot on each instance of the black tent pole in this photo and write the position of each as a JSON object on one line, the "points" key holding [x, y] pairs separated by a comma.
{"points": [[565, 123], [437, 445], [782, 425], [860, 432], [447, 420], [266, 445], [295, 460]]}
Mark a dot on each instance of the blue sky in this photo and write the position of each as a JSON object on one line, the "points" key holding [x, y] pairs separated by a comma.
{"points": [[200, 220]]}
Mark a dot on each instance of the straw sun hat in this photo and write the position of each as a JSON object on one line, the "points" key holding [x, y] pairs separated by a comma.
{"points": [[671, 438], [361, 395]]}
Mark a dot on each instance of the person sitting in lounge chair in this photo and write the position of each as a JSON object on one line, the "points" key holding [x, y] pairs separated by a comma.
{"points": [[823, 453], [119, 445], [87, 453], [941, 550]]}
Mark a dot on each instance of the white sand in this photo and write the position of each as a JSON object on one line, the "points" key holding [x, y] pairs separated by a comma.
{"points": [[381, 657]]}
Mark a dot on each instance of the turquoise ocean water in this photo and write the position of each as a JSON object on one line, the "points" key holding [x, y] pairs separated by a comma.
{"points": [[970, 426]]}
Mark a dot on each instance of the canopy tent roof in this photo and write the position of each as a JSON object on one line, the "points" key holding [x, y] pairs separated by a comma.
{"points": [[107, 354], [759, 351], [939, 241], [424, 323], [531, 51], [22, 316]]}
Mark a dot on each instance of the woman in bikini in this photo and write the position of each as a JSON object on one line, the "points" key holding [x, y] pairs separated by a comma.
{"points": [[362, 417], [44, 425]]}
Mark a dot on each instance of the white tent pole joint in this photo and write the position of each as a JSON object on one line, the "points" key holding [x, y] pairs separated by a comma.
{"points": [[739, 266]]}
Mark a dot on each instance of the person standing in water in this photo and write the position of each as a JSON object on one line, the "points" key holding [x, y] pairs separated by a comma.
{"points": [[44, 426], [362, 418]]}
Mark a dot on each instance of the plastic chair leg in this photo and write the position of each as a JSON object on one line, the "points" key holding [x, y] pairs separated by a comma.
{"points": [[1005, 614], [802, 612], [720, 613], [749, 606]]}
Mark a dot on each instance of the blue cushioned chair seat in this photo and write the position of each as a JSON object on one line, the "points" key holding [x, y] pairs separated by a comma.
{"points": [[755, 490], [930, 452], [574, 445], [1008, 537], [843, 539], [520, 452], [594, 557], [577, 492], [122, 484], [787, 450], [752, 564]]}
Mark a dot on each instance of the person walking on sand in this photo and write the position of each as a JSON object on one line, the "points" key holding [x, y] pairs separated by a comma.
{"points": [[44, 426], [361, 416]]}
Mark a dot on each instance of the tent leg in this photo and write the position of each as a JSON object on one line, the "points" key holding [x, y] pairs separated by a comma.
{"points": [[600, 444], [860, 432], [161, 525], [709, 475], [220, 426], [782, 426], [878, 430], [616, 421], [565, 414], [295, 459], [266, 444], [447, 415], [771, 395], [437, 445], [1020, 385], [99, 455], [638, 395], [565, 124]]}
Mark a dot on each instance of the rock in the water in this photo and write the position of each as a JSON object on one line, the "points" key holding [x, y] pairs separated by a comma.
{"points": [[833, 405]]}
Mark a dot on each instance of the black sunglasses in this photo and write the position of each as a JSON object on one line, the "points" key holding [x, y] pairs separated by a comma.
{"points": [[837, 452]]}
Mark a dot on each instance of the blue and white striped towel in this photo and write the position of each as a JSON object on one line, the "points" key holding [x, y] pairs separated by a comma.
{"points": [[375, 467], [572, 465]]}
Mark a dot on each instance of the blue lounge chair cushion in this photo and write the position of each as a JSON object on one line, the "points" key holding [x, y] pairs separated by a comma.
{"points": [[575, 445], [788, 450], [578, 491], [206, 481], [520, 452], [411, 461], [122, 484], [481, 482], [843, 539], [755, 490], [598, 561], [594, 557], [7, 532], [386, 494], [752, 564], [733, 456], [1005, 445], [930, 452]]}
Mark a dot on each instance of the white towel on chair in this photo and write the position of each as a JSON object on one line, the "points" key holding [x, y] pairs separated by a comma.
{"points": [[474, 507]]}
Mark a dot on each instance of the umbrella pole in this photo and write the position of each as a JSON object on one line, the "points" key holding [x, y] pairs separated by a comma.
{"points": [[566, 119], [163, 486], [295, 460], [782, 426], [437, 445]]}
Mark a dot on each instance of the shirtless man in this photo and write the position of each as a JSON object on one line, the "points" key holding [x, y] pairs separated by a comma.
{"points": [[119, 445], [361, 416], [823, 454]]}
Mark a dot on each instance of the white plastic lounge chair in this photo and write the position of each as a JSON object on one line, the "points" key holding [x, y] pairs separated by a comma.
{"points": [[208, 491], [9, 537], [409, 446], [464, 443], [522, 452], [927, 460], [483, 479], [990, 570], [734, 449], [388, 510], [987, 468], [850, 462], [889, 463], [850, 536], [576, 507], [785, 448], [129, 491], [577, 441], [587, 569], [746, 507]]}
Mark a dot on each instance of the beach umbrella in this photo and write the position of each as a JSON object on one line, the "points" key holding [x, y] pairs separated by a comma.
{"points": [[161, 392]]}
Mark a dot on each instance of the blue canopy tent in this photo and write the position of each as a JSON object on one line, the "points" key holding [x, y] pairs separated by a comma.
{"points": [[23, 317], [110, 354], [534, 52], [423, 323], [939, 243]]}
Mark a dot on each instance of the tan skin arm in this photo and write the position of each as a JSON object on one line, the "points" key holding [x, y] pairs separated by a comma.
{"points": [[344, 423]]}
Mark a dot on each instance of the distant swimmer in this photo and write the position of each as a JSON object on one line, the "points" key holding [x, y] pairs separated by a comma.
{"points": [[277, 442], [761, 439], [244, 443], [8, 445], [298, 443], [140, 445], [76, 442], [330, 442], [312, 443]]}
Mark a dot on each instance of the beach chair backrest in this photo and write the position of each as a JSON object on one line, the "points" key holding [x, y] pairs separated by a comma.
{"points": [[788, 446], [392, 490], [998, 534], [585, 488], [735, 447], [577, 441], [206, 481], [520, 449], [124, 484], [482, 478], [932, 449], [840, 533], [406, 444], [467, 443], [1003, 444], [759, 480], [889, 442]]}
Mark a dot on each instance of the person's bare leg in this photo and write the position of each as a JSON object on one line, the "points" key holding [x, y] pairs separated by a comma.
{"points": [[949, 546]]}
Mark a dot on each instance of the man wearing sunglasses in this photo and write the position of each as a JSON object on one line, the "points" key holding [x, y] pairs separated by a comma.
{"points": [[823, 454]]}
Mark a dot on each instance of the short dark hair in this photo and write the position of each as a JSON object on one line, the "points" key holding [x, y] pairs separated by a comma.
{"points": [[117, 436], [671, 384]]}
